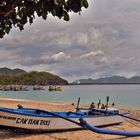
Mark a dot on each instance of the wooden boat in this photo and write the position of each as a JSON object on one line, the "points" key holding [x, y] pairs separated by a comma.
{"points": [[25, 88], [38, 88], [55, 88], [35, 119], [43, 120]]}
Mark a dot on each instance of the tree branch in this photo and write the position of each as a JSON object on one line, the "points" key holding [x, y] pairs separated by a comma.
{"points": [[1, 2], [8, 8]]}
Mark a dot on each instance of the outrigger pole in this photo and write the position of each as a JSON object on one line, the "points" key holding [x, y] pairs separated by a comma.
{"points": [[107, 131], [90, 127], [134, 119]]}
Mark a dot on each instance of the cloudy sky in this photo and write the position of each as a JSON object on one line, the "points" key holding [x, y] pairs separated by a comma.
{"points": [[103, 41]]}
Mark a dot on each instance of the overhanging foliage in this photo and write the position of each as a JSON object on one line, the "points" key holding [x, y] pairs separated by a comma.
{"points": [[19, 12]]}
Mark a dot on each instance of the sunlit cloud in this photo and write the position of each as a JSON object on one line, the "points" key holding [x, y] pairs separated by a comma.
{"points": [[92, 54], [58, 57]]}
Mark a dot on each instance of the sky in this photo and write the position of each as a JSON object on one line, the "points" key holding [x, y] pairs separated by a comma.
{"points": [[103, 41]]}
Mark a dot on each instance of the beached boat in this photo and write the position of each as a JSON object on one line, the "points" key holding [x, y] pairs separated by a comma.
{"points": [[43, 120], [36, 119]]}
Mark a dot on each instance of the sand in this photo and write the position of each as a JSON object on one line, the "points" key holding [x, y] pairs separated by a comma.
{"points": [[69, 135]]}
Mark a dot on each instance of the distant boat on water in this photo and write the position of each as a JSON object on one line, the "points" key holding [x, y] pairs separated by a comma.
{"points": [[38, 88], [25, 88], [55, 88], [13, 88]]}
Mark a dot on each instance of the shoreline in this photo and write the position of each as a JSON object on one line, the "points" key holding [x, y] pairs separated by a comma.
{"points": [[68, 135], [30, 101], [59, 103]]}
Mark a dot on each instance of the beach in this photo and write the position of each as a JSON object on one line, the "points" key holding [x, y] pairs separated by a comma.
{"points": [[68, 135]]}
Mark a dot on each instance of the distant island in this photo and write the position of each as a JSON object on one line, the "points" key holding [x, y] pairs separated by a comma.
{"points": [[108, 80], [21, 77]]}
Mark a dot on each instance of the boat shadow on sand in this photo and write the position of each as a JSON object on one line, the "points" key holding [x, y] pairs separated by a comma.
{"points": [[8, 133]]}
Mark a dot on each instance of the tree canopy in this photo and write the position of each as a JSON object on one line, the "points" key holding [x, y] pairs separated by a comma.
{"points": [[16, 13]]}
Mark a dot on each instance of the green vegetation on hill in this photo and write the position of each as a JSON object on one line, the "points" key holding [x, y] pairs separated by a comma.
{"points": [[7, 71], [18, 76]]}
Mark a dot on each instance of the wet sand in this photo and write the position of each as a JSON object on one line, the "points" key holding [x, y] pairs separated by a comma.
{"points": [[11, 134]]}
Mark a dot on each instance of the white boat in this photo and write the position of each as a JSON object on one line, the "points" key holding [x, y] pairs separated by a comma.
{"points": [[43, 120], [35, 119]]}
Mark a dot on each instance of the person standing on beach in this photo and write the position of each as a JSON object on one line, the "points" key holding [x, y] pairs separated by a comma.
{"points": [[92, 105]]}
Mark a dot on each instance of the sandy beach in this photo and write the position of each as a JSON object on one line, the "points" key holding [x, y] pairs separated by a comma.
{"points": [[69, 135]]}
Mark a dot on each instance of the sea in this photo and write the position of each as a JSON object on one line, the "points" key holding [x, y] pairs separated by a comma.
{"points": [[123, 96]]}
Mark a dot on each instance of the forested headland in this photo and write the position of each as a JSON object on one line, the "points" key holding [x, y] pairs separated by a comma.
{"points": [[21, 77]]}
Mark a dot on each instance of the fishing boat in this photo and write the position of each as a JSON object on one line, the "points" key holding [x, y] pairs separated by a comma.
{"points": [[43, 120], [37, 119], [55, 88], [38, 88]]}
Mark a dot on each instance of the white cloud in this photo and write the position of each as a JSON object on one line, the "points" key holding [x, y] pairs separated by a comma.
{"points": [[92, 54], [104, 60], [81, 38], [58, 57], [127, 73]]}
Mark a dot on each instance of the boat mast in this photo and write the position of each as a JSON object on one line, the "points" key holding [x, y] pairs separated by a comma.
{"points": [[98, 105], [107, 100], [77, 108]]}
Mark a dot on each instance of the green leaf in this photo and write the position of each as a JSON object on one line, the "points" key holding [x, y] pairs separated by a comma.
{"points": [[84, 3], [65, 16], [31, 20], [60, 2], [20, 26], [7, 30], [44, 16]]}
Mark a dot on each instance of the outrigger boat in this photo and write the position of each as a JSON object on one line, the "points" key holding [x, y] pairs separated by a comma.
{"points": [[42, 120], [36, 119]]}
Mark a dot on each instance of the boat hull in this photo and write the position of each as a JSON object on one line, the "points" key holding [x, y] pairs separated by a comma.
{"points": [[52, 123]]}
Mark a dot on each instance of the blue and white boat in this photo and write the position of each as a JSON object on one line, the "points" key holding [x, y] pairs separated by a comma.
{"points": [[43, 120], [36, 119]]}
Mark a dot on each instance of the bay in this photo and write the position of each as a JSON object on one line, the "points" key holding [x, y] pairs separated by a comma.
{"points": [[124, 96]]}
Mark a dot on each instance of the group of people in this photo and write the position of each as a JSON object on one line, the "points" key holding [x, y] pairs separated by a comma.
{"points": [[102, 106]]}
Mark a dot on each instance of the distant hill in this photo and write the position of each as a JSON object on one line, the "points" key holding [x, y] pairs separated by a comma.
{"points": [[108, 80], [19, 76], [8, 71]]}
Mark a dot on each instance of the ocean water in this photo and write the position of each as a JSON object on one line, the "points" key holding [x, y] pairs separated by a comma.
{"points": [[124, 96]]}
